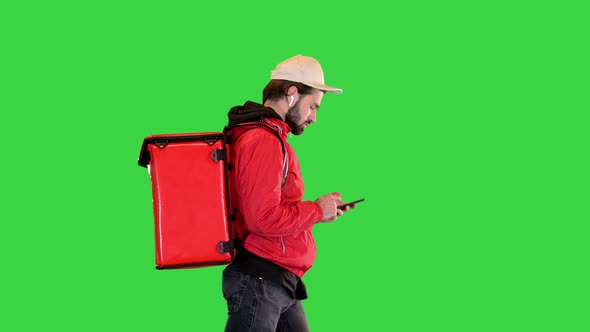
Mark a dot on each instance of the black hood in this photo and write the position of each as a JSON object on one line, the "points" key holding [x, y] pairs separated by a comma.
{"points": [[249, 112]]}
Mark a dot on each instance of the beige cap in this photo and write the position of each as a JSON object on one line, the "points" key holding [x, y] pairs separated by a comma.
{"points": [[302, 69]]}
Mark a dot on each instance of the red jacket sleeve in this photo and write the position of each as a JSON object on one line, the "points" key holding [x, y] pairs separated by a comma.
{"points": [[258, 167]]}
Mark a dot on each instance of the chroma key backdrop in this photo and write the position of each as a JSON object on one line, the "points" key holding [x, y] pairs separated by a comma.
{"points": [[463, 124]]}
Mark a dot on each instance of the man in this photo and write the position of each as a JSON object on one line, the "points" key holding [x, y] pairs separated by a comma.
{"points": [[263, 286]]}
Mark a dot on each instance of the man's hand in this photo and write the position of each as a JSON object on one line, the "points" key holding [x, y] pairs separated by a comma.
{"points": [[329, 204]]}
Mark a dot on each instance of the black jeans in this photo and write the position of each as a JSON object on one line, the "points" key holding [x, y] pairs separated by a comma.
{"points": [[258, 305]]}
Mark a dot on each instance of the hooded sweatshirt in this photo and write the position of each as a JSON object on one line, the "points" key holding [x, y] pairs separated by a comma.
{"points": [[271, 219]]}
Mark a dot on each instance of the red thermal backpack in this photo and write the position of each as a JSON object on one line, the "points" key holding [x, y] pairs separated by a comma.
{"points": [[189, 176]]}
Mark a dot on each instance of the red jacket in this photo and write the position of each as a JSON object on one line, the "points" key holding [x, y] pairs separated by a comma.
{"points": [[278, 221]]}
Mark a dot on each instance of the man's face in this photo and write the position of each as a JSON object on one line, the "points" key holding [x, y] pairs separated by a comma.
{"points": [[303, 112]]}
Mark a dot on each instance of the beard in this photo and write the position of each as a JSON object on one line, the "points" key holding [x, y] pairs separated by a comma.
{"points": [[294, 120]]}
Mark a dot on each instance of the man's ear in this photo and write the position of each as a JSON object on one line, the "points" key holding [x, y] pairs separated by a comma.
{"points": [[292, 90]]}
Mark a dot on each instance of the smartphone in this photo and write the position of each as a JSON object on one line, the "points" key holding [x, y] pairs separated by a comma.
{"points": [[341, 207]]}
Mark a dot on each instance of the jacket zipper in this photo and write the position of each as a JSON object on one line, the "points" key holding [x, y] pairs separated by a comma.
{"points": [[283, 244]]}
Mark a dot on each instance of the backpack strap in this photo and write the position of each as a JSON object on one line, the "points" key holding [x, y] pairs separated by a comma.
{"points": [[237, 244], [274, 129]]}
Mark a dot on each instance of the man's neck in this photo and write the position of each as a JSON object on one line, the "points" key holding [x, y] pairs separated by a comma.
{"points": [[277, 107]]}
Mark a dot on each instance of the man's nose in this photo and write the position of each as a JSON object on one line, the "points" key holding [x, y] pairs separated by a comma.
{"points": [[312, 117]]}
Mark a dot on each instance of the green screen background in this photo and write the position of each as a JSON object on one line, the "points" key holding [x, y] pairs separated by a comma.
{"points": [[463, 124]]}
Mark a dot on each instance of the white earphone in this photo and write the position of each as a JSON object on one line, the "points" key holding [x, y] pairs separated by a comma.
{"points": [[291, 102]]}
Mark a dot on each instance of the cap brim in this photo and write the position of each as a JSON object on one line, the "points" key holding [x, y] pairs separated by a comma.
{"points": [[279, 76], [324, 87]]}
